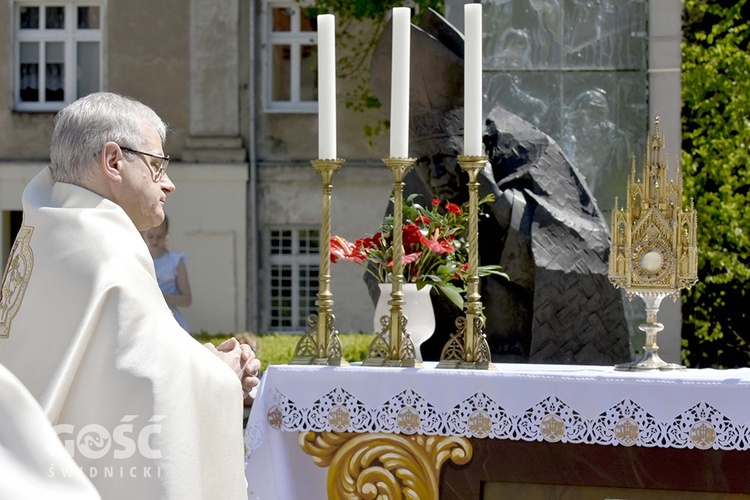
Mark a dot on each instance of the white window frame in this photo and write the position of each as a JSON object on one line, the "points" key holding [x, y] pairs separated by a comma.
{"points": [[296, 261], [69, 36], [295, 39]]}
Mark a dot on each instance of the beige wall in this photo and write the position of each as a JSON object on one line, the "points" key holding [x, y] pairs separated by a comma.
{"points": [[294, 137], [292, 195], [22, 136], [362, 197], [290, 190], [13, 179], [207, 220], [147, 56]]}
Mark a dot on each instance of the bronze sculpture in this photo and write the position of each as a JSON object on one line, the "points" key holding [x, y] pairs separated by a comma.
{"points": [[544, 227]]}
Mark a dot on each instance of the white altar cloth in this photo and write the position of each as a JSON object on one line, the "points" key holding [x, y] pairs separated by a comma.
{"points": [[693, 409]]}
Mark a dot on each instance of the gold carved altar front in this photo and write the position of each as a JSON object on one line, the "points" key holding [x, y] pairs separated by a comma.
{"points": [[380, 465]]}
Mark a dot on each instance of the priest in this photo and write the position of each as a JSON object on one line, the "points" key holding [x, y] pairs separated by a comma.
{"points": [[145, 410]]}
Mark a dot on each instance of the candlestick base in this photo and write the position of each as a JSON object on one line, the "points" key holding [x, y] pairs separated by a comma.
{"points": [[310, 352], [381, 353], [457, 354]]}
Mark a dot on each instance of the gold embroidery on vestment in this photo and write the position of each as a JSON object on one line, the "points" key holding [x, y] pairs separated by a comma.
{"points": [[16, 279]]}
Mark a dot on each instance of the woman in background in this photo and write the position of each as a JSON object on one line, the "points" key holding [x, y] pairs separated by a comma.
{"points": [[171, 270]]}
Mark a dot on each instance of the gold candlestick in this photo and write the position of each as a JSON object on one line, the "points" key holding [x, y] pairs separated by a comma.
{"points": [[393, 346], [653, 252], [468, 347], [320, 344]]}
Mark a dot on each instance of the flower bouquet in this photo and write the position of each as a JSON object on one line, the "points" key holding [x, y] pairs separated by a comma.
{"points": [[435, 250]]}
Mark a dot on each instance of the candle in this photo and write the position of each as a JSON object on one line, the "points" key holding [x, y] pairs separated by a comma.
{"points": [[400, 82], [326, 87], [473, 79]]}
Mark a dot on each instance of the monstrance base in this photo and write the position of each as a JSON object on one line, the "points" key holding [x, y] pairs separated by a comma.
{"points": [[650, 360]]}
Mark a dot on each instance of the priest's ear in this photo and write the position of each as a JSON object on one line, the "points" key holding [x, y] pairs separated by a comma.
{"points": [[111, 161]]}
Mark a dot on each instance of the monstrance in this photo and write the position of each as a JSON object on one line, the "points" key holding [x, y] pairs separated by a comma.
{"points": [[653, 253]]}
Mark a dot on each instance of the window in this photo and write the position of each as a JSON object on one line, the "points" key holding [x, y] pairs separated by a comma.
{"points": [[290, 59], [294, 256], [10, 224], [57, 53]]}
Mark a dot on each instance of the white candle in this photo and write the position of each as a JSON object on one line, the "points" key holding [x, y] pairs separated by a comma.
{"points": [[400, 82], [473, 79], [326, 86]]}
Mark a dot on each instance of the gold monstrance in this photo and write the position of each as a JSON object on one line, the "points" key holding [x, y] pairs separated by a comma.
{"points": [[653, 253]]}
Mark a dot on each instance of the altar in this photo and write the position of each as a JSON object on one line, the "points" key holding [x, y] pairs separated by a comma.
{"points": [[582, 431]]}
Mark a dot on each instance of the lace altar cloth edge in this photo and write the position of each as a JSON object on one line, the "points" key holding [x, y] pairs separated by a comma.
{"points": [[701, 409]]}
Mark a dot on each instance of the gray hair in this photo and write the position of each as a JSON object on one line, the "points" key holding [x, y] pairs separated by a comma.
{"points": [[84, 126]]}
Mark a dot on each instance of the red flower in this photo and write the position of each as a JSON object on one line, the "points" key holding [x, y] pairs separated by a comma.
{"points": [[411, 237], [436, 244], [342, 249], [433, 247], [407, 258], [463, 269], [453, 208], [368, 242]]}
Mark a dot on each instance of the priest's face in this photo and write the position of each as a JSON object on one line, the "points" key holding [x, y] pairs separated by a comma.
{"points": [[142, 196], [438, 167]]}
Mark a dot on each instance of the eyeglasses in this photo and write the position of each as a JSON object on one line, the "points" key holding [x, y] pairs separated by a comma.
{"points": [[160, 170]]}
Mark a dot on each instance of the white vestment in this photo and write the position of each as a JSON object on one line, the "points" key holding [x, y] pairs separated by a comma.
{"points": [[30, 449], [146, 411]]}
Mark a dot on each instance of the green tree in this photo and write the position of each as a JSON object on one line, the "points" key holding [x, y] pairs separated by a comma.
{"points": [[716, 138]]}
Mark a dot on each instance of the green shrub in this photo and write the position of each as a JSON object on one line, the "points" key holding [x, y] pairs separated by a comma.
{"points": [[716, 106]]}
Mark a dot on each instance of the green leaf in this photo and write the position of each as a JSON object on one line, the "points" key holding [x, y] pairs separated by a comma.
{"points": [[453, 294]]}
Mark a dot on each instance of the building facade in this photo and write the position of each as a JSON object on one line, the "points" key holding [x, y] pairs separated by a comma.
{"points": [[235, 80]]}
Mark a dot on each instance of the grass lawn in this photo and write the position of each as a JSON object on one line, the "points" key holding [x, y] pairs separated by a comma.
{"points": [[278, 348]]}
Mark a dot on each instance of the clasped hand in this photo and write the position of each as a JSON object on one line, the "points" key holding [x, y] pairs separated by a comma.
{"points": [[240, 358]]}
